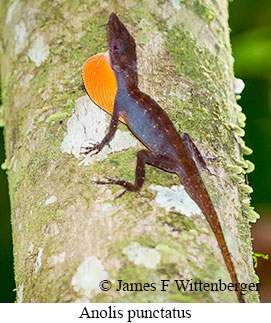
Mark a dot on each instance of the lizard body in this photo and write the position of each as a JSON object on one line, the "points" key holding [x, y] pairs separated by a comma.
{"points": [[152, 126]]}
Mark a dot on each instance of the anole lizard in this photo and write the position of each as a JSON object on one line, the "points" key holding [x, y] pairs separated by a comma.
{"points": [[152, 126]]}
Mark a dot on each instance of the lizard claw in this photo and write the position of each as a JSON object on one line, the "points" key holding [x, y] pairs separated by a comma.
{"points": [[211, 159], [210, 173], [95, 148], [110, 181], [206, 169], [120, 195]]}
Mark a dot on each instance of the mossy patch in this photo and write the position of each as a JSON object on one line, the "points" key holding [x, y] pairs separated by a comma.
{"points": [[203, 11]]}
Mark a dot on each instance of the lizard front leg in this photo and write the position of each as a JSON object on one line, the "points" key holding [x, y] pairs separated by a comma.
{"points": [[109, 136]]}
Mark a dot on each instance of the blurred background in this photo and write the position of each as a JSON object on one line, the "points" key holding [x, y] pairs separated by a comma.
{"points": [[250, 22]]}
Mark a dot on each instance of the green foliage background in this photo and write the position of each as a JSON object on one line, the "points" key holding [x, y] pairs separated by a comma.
{"points": [[250, 21]]}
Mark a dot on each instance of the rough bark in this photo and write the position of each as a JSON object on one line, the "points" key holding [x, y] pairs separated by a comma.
{"points": [[69, 233]]}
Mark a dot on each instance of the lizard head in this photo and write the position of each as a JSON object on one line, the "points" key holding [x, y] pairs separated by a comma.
{"points": [[122, 48]]}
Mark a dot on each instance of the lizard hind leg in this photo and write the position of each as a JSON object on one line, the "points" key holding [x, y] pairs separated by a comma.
{"points": [[143, 156], [193, 150]]}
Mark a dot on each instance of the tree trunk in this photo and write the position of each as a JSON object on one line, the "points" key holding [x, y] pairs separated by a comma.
{"points": [[69, 233]]}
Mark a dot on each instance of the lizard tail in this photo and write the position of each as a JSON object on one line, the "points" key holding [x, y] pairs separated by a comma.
{"points": [[201, 197], [212, 218]]}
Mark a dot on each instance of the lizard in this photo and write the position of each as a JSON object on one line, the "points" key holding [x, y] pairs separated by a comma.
{"points": [[166, 148]]}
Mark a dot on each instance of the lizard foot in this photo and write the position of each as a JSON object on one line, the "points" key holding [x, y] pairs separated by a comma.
{"points": [[95, 148], [110, 181]]}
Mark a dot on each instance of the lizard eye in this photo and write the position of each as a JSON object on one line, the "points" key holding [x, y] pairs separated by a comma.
{"points": [[116, 45]]}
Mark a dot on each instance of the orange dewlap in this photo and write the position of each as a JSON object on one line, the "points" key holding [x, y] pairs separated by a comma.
{"points": [[100, 82]]}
